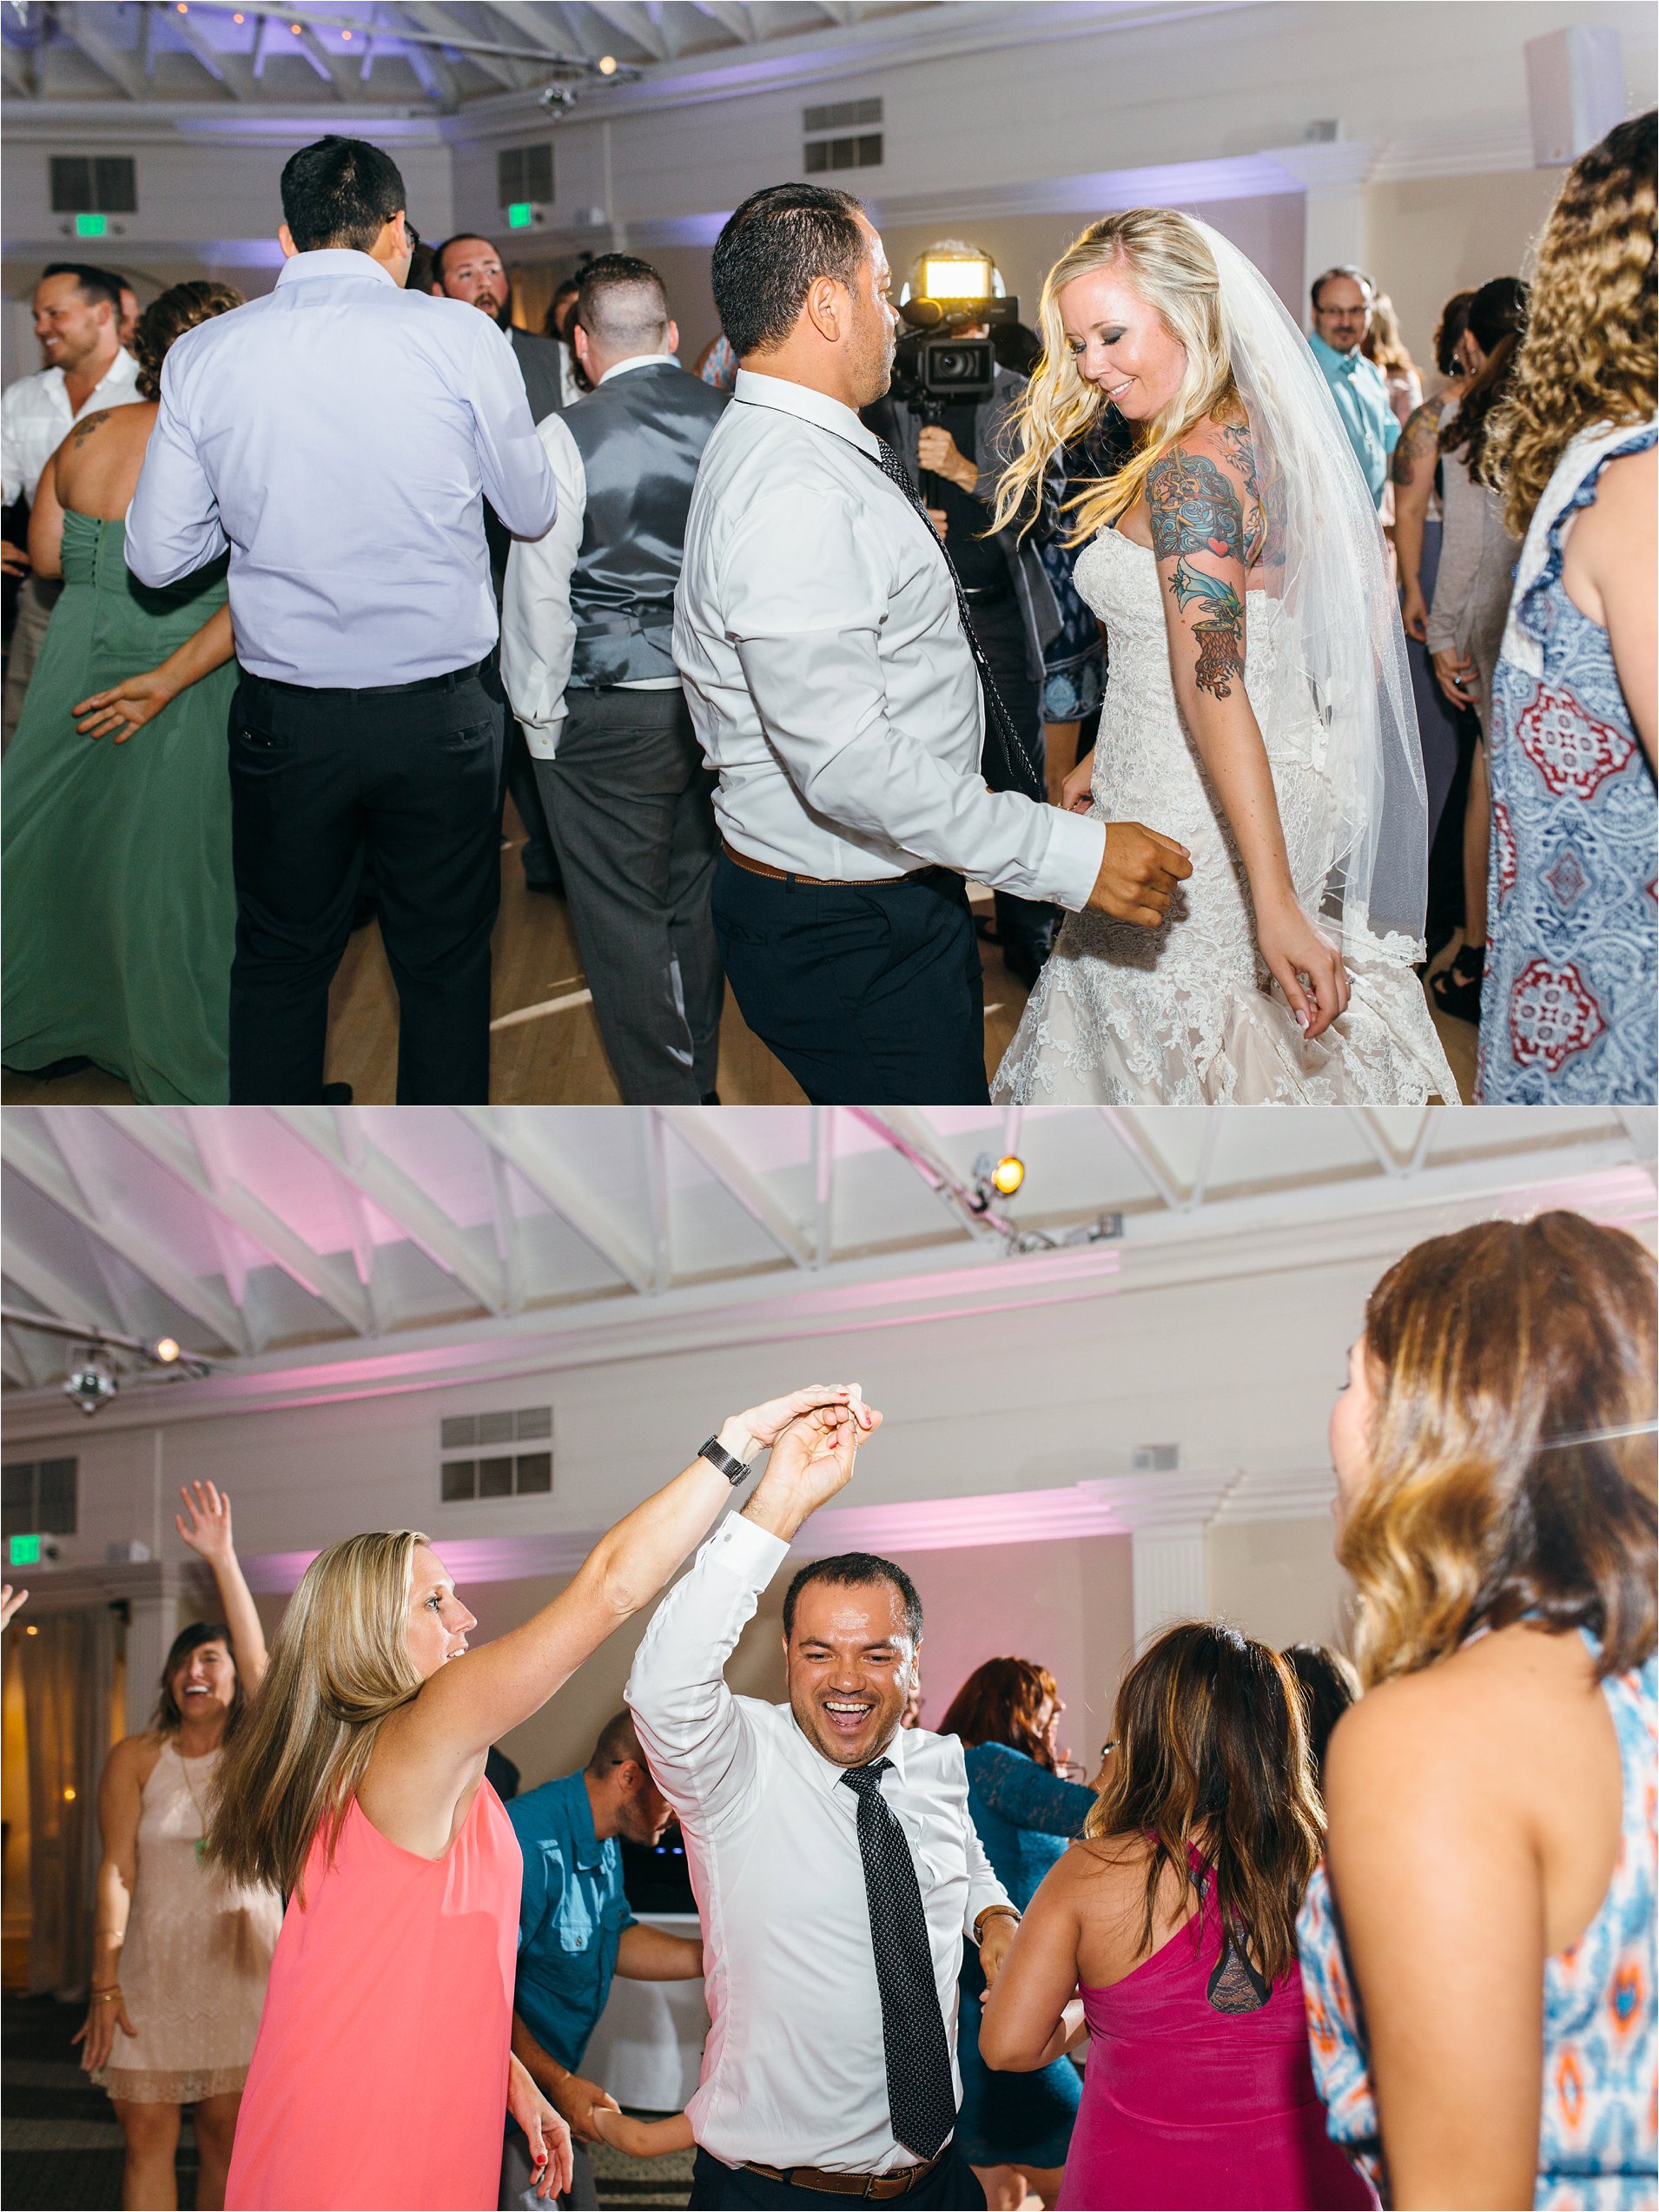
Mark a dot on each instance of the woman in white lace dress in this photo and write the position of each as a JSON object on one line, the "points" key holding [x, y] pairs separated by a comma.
{"points": [[181, 1958], [1258, 706]]}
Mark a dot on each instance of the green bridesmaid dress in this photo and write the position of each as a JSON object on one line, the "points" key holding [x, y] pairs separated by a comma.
{"points": [[119, 909]]}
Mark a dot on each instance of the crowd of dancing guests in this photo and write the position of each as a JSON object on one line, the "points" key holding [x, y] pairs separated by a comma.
{"points": [[1325, 1948], [233, 740]]}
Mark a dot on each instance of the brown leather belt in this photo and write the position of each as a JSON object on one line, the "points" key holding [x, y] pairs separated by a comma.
{"points": [[879, 2188], [817, 882]]}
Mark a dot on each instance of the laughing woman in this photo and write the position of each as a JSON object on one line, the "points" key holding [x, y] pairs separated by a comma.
{"points": [[180, 1955]]}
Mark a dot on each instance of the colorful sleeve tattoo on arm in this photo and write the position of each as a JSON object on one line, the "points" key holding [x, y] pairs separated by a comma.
{"points": [[1193, 510]]}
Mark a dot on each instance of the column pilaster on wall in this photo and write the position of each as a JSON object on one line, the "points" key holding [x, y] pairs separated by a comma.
{"points": [[1332, 177], [1167, 1516]]}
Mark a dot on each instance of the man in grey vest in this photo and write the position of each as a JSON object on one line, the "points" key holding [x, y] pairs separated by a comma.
{"points": [[586, 623]]}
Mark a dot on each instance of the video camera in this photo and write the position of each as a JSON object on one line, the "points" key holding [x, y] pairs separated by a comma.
{"points": [[935, 365]]}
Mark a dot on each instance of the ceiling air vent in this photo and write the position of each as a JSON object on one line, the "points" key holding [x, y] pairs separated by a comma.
{"points": [[479, 1458], [853, 146]]}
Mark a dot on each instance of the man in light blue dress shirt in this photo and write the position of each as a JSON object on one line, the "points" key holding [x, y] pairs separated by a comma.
{"points": [[1341, 303], [341, 437]]}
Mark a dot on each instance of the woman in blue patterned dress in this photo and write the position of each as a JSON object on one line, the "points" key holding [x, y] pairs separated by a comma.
{"points": [[1477, 1950], [1015, 2128], [1568, 1009]]}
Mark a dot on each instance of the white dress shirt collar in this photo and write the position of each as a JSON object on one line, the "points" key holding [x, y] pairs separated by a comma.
{"points": [[335, 261], [638, 361], [789, 398], [830, 1774]]}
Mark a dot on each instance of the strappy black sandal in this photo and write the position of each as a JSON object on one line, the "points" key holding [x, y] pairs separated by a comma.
{"points": [[1457, 987]]}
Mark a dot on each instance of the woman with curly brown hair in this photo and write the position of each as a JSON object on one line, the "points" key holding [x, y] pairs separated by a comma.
{"points": [[1568, 1011], [1168, 1932], [1483, 2011], [119, 910]]}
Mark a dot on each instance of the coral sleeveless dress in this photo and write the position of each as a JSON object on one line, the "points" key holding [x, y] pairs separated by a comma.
{"points": [[1190, 2103], [380, 2073]]}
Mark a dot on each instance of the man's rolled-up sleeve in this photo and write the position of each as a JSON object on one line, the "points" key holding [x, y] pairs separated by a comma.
{"points": [[538, 632], [821, 693], [512, 462], [173, 524]]}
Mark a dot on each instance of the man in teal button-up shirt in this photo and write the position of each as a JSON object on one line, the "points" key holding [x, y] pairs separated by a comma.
{"points": [[1342, 300], [575, 1931]]}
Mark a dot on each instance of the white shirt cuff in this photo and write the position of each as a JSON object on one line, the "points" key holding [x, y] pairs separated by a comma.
{"points": [[1076, 848], [746, 1550]]}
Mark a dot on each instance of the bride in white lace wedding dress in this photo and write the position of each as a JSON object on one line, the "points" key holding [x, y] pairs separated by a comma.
{"points": [[1299, 783]]}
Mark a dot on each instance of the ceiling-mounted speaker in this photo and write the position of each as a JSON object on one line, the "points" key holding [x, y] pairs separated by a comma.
{"points": [[1574, 83]]}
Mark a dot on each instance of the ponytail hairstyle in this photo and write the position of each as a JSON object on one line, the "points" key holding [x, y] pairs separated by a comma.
{"points": [[1496, 320], [340, 1667], [1165, 256], [1213, 1756]]}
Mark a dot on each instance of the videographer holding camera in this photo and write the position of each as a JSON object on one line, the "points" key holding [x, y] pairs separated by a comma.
{"points": [[948, 413]]}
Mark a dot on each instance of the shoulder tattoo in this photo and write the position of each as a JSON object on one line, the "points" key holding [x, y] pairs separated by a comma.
{"points": [[1419, 439]]}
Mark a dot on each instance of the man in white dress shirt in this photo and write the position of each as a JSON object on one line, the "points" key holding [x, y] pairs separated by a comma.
{"points": [[835, 689], [77, 320], [340, 436], [836, 1871]]}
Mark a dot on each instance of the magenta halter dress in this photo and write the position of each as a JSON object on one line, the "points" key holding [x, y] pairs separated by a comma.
{"points": [[1186, 2106]]}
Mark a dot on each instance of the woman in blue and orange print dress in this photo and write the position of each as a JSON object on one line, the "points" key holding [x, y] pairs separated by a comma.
{"points": [[1478, 1949]]}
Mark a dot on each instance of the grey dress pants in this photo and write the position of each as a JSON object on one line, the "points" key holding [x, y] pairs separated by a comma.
{"points": [[630, 810]]}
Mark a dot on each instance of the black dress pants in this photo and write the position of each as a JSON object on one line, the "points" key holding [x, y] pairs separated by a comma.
{"points": [[869, 994], [953, 2186], [320, 779]]}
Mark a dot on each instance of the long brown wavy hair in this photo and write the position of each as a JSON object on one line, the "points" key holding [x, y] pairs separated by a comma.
{"points": [[165, 320], [1512, 1463], [1211, 1753], [339, 1667], [1003, 1702], [1496, 320], [1591, 351]]}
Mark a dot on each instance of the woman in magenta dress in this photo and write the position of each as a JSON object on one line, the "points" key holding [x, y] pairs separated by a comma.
{"points": [[1168, 1933], [383, 2070]]}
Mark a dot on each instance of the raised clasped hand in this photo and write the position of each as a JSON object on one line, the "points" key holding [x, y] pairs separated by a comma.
{"points": [[813, 1457]]}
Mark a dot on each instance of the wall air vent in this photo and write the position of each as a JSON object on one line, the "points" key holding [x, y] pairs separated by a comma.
{"points": [[853, 146], [479, 1458]]}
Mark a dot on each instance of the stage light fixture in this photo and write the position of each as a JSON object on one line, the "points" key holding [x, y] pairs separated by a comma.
{"points": [[166, 1350], [607, 65], [91, 1382], [1009, 1174]]}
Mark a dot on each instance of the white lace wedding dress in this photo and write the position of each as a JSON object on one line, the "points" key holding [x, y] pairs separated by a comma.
{"points": [[1187, 1014]]}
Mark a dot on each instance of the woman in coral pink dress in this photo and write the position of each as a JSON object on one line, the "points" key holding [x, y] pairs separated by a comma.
{"points": [[1168, 1931], [383, 2069]]}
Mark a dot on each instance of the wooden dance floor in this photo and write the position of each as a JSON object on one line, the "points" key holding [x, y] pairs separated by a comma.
{"points": [[546, 1049]]}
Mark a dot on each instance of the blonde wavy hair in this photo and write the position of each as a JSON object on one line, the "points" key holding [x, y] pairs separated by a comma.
{"points": [[1512, 1467], [340, 1667], [1174, 272], [1590, 352]]}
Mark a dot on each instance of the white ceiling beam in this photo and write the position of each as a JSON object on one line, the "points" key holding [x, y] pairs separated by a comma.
{"points": [[508, 1246], [335, 73], [1376, 1143], [915, 1140], [14, 70], [339, 1139], [15, 1364], [232, 71], [123, 70], [139, 1248], [436, 76], [518, 1133], [628, 18], [1207, 1154], [40, 1282], [824, 1184], [441, 25], [655, 1138], [320, 1277], [732, 18], [1146, 1156], [71, 1136], [699, 1137]]}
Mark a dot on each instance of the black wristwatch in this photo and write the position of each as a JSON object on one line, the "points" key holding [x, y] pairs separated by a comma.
{"points": [[735, 1470]]}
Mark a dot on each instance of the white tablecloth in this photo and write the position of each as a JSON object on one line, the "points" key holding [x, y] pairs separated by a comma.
{"points": [[647, 2048]]}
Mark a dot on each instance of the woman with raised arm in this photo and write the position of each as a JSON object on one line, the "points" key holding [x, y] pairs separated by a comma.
{"points": [[384, 2069], [1479, 1947], [1259, 707], [119, 909], [180, 1955]]}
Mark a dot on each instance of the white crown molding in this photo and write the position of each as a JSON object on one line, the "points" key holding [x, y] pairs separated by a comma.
{"points": [[105, 122], [71, 1589], [1184, 1499], [1294, 1494]]}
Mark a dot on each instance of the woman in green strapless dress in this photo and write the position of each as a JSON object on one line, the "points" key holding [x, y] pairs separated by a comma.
{"points": [[120, 908]]}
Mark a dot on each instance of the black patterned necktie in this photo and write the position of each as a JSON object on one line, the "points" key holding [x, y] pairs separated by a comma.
{"points": [[1011, 766], [921, 2095]]}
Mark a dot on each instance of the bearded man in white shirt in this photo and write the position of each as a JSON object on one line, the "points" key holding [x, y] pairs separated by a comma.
{"points": [[78, 317], [835, 687], [836, 1871]]}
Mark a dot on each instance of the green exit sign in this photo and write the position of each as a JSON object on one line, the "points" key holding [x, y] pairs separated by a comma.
{"points": [[92, 226], [23, 1551], [520, 215]]}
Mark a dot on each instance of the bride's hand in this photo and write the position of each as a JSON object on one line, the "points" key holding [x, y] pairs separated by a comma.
{"points": [[1075, 790], [1295, 950]]}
